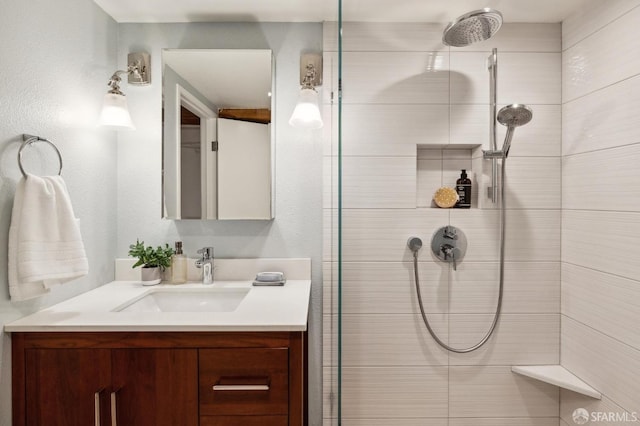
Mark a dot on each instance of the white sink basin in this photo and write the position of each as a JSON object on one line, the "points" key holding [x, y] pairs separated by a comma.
{"points": [[187, 300]]}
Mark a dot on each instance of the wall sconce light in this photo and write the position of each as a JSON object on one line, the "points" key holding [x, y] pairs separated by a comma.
{"points": [[115, 113], [306, 114]]}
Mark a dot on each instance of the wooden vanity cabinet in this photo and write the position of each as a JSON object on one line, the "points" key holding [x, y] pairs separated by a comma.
{"points": [[159, 378]]}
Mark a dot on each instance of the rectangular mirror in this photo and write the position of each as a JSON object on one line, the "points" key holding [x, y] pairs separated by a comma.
{"points": [[218, 150]]}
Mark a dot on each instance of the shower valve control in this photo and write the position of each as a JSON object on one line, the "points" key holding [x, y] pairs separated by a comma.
{"points": [[449, 244]]}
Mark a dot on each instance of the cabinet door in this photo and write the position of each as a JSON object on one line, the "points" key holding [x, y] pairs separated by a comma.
{"points": [[67, 387], [155, 387]]}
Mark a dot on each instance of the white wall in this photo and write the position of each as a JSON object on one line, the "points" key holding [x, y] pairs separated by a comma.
{"points": [[404, 89], [601, 205], [296, 230], [56, 60]]}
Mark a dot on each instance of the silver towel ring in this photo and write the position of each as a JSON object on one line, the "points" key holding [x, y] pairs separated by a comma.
{"points": [[29, 140]]}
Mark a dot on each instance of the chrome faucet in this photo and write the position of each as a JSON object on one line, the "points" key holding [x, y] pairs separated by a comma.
{"points": [[206, 263]]}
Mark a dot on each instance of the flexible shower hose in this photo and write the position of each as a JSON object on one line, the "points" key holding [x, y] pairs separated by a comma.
{"points": [[496, 317]]}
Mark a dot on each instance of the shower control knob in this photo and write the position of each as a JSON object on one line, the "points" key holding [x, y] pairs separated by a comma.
{"points": [[449, 244]]}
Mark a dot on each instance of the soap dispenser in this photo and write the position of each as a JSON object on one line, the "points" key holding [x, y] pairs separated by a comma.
{"points": [[178, 265], [463, 188]]}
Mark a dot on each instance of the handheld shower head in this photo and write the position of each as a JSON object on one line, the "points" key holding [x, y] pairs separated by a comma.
{"points": [[512, 116], [472, 27]]}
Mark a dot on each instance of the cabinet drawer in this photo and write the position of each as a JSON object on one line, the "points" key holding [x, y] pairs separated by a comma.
{"points": [[244, 382], [244, 421]]}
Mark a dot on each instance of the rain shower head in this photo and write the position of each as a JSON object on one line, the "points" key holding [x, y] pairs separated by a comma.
{"points": [[512, 116], [479, 25]]}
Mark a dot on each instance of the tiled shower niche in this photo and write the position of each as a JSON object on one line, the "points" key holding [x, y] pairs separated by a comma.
{"points": [[439, 166]]}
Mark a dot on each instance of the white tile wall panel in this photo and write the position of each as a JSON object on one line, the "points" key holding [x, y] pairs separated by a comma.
{"points": [[385, 37], [529, 287], [386, 422], [608, 365], [426, 153], [605, 302], [570, 401], [490, 391], [519, 339], [329, 78], [532, 183], [532, 235], [390, 340], [470, 124], [395, 392], [378, 182], [604, 241], [528, 78], [387, 287], [393, 130], [381, 234], [520, 421], [602, 180], [610, 56], [396, 77], [330, 234], [593, 16], [603, 119], [520, 38]]}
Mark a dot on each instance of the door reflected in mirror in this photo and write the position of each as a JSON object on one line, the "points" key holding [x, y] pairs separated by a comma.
{"points": [[218, 149]]}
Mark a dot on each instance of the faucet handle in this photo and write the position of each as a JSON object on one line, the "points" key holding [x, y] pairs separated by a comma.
{"points": [[206, 252]]}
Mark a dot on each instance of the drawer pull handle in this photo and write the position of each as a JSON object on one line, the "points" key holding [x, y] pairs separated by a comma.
{"points": [[240, 387]]}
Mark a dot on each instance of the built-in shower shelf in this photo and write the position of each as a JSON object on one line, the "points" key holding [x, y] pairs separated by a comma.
{"points": [[557, 375]]}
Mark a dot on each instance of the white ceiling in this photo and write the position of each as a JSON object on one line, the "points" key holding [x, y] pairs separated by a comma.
{"points": [[326, 10]]}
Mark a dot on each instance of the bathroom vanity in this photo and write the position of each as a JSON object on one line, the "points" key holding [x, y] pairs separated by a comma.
{"points": [[119, 355]]}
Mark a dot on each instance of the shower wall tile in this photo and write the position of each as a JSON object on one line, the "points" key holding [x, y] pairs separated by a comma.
{"points": [[330, 76], [532, 183], [607, 303], [528, 78], [604, 241], [529, 287], [488, 391], [592, 17], [469, 124], [394, 392], [381, 234], [388, 287], [571, 401], [591, 183], [385, 37], [520, 421], [532, 235], [606, 364], [378, 182], [395, 77], [533, 38], [426, 153], [391, 340], [329, 235], [603, 119], [393, 130], [612, 55], [519, 339], [391, 421]]}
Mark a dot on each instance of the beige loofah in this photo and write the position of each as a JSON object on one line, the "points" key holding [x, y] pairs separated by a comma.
{"points": [[445, 197]]}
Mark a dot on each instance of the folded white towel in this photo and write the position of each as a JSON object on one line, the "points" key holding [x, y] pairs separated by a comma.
{"points": [[45, 245]]}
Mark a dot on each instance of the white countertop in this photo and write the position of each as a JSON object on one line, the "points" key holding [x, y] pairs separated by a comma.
{"points": [[283, 308]]}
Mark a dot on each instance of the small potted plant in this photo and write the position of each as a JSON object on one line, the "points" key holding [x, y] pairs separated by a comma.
{"points": [[153, 261]]}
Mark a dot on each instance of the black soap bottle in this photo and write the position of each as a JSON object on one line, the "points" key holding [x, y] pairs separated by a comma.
{"points": [[463, 188]]}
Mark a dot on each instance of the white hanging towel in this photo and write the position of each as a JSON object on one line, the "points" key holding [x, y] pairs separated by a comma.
{"points": [[45, 245]]}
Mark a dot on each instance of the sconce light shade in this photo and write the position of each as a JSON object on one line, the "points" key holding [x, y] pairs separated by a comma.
{"points": [[115, 113], [306, 114]]}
